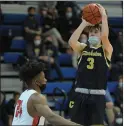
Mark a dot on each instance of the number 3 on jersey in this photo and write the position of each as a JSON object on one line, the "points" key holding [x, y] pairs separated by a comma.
{"points": [[18, 108], [91, 63]]}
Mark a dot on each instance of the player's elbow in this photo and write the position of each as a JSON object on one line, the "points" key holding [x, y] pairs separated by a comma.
{"points": [[109, 48], [104, 36], [71, 43]]}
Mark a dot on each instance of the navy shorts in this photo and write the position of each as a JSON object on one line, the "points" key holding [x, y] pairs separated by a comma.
{"points": [[87, 109]]}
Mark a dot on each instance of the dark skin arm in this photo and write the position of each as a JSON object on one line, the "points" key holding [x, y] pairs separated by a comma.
{"points": [[42, 109]]}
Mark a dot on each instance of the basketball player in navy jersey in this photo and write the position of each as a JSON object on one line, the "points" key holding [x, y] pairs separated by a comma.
{"points": [[87, 102]]}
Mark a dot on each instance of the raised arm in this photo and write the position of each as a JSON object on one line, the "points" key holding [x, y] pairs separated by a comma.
{"points": [[73, 41], [105, 32], [40, 104]]}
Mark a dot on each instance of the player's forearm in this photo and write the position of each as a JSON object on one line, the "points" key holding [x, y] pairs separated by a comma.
{"points": [[75, 36], [104, 37], [105, 29], [58, 120]]}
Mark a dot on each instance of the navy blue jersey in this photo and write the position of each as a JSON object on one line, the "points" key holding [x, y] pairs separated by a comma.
{"points": [[92, 68]]}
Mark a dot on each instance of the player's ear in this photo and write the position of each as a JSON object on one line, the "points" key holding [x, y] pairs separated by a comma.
{"points": [[36, 81]]}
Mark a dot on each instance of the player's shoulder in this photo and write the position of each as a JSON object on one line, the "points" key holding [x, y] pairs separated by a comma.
{"points": [[38, 98], [82, 46], [35, 96]]}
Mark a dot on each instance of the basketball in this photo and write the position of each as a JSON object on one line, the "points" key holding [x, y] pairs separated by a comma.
{"points": [[91, 14]]}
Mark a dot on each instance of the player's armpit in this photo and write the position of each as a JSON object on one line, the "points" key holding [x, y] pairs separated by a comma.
{"points": [[77, 46], [46, 112], [108, 49]]}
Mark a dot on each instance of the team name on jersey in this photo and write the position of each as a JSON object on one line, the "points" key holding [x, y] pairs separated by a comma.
{"points": [[91, 53]]}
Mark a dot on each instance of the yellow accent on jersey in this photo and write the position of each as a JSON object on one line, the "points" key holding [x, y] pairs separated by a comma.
{"points": [[91, 63]]}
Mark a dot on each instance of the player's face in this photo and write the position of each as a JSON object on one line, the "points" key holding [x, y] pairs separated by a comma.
{"points": [[95, 32], [94, 37], [43, 81]]}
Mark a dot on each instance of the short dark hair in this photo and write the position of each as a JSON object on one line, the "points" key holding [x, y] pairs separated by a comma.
{"points": [[30, 8], [31, 69]]}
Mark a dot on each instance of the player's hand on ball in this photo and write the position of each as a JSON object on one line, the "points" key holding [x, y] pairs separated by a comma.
{"points": [[101, 9], [86, 23]]}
